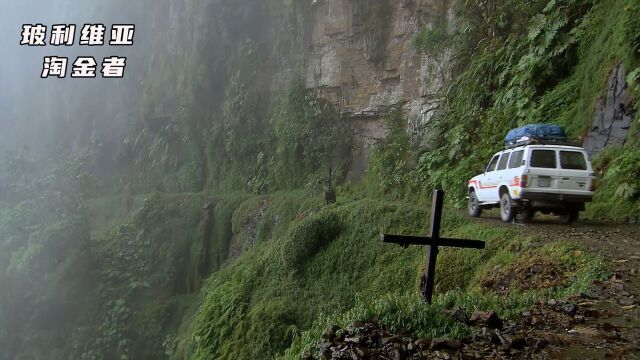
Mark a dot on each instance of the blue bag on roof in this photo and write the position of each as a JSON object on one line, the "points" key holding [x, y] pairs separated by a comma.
{"points": [[552, 132]]}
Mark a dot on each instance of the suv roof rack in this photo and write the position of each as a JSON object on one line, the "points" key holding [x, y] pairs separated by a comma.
{"points": [[541, 141]]}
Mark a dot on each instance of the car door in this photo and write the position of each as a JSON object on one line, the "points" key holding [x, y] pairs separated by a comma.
{"points": [[501, 175], [575, 172], [483, 186], [543, 171], [514, 175]]}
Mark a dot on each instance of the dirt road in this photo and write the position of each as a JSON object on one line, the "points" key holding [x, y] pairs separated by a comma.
{"points": [[606, 323]]}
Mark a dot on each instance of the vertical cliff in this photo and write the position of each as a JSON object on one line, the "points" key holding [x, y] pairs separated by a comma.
{"points": [[358, 55], [361, 56]]}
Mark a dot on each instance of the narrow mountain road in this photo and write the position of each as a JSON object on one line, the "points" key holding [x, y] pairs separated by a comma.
{"points": [[607, 324], [611, 239]]}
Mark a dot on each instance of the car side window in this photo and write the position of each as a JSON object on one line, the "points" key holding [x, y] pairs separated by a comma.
{"points": [[504, 159], [543, 159], [492, 164], [516, 159]]}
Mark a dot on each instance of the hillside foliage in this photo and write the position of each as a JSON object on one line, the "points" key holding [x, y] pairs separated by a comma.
{"points": [[546, 61], [212, 241]]}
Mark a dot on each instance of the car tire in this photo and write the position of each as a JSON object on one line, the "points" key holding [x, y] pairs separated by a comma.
{"points": [[473, 205], [507, 210], [570, 216]]}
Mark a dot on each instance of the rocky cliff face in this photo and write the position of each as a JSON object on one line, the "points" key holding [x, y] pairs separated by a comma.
{"points": [[359, 54], [613, 114], [365, 70], [356, 53]]}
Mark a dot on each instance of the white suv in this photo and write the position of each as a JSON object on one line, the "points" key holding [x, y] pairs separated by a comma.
{"points": [[554, 179]]}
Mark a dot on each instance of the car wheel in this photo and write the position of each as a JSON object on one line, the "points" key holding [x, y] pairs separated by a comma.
{"points": [[527, 214], [507, 211], [570, 216], [474, 205]]}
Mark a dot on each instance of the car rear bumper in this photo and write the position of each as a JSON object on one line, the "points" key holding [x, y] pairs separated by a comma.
{"points": [[549, 197]]}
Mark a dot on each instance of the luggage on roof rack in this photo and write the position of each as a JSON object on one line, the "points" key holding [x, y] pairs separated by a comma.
{"points": [[535, 141], [536, 133]]}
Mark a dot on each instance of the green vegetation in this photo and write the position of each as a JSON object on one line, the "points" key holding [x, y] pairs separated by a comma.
{"points": [[546, 61], [44, 252], [99, 278], [302, 143], [618, 195], [433, 41], [321, 263], [217, 244], [301, 265], [534, 63], [390, 162], [311, 139]]}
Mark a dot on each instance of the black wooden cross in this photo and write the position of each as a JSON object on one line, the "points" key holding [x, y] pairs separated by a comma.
{"points": [[433, 241]]}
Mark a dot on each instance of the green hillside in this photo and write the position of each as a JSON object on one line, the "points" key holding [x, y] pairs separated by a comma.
{"points": [[211, 238], [319, 265]]}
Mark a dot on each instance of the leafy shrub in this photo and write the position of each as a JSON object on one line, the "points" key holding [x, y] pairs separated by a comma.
{"points": [[618, 189], [632, 24], [309, 236], [311, 139], [390, 161], [432, 40]]}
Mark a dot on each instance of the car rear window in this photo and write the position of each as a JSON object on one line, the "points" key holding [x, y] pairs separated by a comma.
{"points": [[572, 160], [543, 159], [516, 159], [503, 161]]}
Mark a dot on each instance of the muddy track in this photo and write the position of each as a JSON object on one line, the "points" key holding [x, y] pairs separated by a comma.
{"points": [[611, 239], [611, 328]]}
